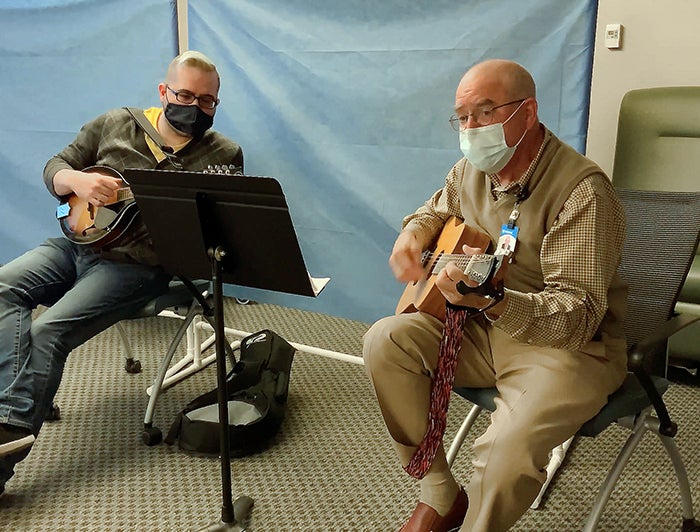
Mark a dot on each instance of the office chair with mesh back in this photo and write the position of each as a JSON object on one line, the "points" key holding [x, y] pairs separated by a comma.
{"points": [[662, 237], [658, 148]]}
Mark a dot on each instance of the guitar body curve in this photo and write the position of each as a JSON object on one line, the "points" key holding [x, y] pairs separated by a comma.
{"points": [[424, 295], [85, 224]]}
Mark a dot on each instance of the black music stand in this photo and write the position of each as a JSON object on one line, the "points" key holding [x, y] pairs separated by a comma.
{"points": [[226, 228]]}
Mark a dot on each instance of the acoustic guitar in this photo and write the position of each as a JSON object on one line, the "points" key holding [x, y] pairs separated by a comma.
{"points": [[83, 223], [424, 295]]}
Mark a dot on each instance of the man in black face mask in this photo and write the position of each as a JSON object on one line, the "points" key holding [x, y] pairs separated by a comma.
{"points": [[87, 288], [186, 114]]}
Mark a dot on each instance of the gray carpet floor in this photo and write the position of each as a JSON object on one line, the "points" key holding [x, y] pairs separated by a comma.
{"points": [[330, 468]]}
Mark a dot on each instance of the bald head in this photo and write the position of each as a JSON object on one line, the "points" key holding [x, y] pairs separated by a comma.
{"points": [[508, 78], [503, 92]]}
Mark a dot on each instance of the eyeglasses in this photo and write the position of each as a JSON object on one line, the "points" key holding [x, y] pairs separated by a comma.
{"points": [[483, 117], [206, 101]]}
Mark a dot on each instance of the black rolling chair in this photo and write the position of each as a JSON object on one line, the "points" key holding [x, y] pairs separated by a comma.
{"points": [[178, 299], [181, 302], [662, 237]]}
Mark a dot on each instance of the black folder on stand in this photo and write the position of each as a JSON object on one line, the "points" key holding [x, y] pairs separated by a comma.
{"points": [[249, 214]]}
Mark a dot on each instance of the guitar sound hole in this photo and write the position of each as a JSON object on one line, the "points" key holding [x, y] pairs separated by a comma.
{"points": [[436, 266]]}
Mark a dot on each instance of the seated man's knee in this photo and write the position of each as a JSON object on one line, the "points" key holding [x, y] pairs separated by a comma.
{"points": [[51, 336], [511, 451], [374, 339], [10, 294], [400, 342]]}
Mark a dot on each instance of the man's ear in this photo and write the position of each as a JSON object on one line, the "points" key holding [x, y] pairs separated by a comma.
{"points": [[161, 91], [531, 112]]}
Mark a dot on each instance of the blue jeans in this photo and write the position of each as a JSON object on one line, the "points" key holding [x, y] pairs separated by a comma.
{"points": [[85, 294]]}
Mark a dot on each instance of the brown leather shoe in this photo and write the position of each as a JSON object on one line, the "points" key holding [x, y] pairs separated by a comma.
{"points": [[426, 519]]}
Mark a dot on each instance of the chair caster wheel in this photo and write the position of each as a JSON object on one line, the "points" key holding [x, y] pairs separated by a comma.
{"points": [[242, 301], [690, 525], [54, 413], [152, 436], [132, 366]]}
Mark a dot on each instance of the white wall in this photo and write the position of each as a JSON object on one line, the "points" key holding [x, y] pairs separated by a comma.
{"points": [[660, 47]]}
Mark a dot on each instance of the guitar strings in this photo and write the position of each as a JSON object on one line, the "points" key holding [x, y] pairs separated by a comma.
{"points": [[461, 260]]}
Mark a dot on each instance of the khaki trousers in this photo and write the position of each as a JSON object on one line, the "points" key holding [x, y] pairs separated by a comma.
{"points": [[545, 395]]}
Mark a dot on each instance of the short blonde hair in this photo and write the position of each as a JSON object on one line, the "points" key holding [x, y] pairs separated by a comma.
{"points": [[194, 59]]}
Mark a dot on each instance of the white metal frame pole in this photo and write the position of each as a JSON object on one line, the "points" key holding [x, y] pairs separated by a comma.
{"points": [[182, 33]]}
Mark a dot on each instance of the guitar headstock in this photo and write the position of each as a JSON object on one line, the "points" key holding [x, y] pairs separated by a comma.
{"points": [[223, 169]]}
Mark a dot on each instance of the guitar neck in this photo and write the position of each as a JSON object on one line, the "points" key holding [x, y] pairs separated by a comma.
{"points": [[462, 261], [123, 194]]}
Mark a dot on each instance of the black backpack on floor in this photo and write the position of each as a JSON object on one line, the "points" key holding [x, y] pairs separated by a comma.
{"points": [[257, 389]]}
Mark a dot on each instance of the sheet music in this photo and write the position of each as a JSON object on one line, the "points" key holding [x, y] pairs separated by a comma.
{"points": [[318, 283]]}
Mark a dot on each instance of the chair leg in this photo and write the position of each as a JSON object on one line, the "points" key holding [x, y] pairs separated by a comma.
{"points": [[193, 361], [131, 365], [462, 434], [152, 435], [689, 522], [54, 413], [645, 422], [640, 427]]}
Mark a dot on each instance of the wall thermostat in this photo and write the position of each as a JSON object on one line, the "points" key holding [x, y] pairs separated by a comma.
{"points": [[613, 35]]}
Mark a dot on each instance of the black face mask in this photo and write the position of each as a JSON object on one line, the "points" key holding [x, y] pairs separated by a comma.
{"points": [[189, 120]]}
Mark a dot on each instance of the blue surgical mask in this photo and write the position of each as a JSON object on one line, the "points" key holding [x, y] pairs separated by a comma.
{"points": [[485, 147]]}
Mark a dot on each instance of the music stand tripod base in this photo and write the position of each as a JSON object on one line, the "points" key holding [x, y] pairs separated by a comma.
{"points": [[242, 506]]}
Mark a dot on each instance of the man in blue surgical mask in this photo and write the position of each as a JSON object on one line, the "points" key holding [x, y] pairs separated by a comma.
{"points": [[89, 281], [542, 322]]}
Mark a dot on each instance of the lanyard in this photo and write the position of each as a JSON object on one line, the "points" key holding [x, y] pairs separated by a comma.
{"points": [[509, 231], [515, 213]]}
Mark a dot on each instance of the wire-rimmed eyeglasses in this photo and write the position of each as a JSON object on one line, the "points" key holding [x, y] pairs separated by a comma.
{"points": [[482, 117]]}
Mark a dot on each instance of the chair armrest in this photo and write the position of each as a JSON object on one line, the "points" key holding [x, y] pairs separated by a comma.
{"points": [[690, 291], [670, 327], [637, 356]]}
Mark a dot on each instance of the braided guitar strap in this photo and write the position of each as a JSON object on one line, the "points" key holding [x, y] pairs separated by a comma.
{"points": [[440, 392]]}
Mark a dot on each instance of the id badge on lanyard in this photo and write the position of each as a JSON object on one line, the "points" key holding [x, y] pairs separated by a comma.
{"points": [[507, 240], [509, 231]]}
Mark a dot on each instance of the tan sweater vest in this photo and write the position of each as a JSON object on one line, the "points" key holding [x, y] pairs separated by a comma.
{"points": [[558, 172]]}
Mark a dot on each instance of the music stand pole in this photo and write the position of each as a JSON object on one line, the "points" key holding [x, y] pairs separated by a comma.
{"points": [[229, 520]]}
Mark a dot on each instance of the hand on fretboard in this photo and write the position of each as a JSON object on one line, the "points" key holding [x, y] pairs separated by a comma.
{"points": [[226, 169]]}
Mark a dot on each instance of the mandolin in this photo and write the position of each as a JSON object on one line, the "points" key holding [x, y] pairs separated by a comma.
{"points": [[83, 223]]}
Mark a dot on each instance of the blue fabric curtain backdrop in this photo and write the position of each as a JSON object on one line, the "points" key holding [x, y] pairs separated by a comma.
{"points": [[62, 63], [345, 103]]}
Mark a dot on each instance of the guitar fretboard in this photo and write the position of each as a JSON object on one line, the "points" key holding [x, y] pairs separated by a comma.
{"points": [[124, 194], [463, 262]]}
